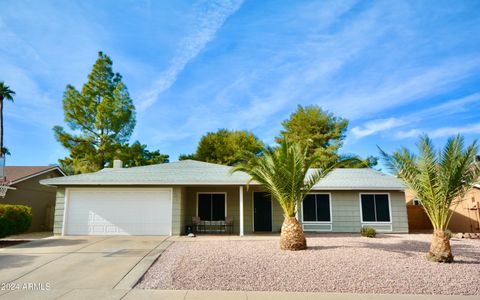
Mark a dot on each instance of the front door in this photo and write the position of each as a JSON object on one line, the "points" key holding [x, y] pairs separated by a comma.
{"points": [[262, 211]]}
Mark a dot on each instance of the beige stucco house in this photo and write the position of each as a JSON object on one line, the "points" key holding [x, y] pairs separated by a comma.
{"points": [[465, 213], [25, 189], [162, 199]]}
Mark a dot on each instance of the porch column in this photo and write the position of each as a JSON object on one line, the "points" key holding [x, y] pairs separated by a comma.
{"points": [[241, 209]]}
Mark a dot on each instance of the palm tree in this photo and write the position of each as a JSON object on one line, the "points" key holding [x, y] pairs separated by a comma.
{"points": [[5, 94], [436, 179], [284, 172]]}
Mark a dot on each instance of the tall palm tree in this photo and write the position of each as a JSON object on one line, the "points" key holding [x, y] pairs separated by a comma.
{"points": [[284, 172], [436, 179], [5, 94]]}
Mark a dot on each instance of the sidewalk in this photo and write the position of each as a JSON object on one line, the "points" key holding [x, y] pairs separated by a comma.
{"points": [[213, 295]]}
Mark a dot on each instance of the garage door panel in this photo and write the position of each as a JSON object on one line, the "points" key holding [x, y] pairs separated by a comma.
{"points": [[119, 212]]}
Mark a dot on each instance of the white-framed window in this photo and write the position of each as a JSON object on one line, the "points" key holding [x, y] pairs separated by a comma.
{"points": [[416, 202], [212, 206], [375, 208], [317, 208]]}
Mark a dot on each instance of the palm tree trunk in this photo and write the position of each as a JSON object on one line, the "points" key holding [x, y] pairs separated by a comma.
{"points": [[440, 250], [292, 237]]}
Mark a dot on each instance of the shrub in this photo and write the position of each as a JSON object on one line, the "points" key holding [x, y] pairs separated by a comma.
{"points": [[14, 219], [448, 233], [368, 232]]}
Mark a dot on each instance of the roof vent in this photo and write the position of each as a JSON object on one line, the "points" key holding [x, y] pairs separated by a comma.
{"points": [[117, 164]]}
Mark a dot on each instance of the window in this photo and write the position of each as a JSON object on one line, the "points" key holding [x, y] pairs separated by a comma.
{"points": [[316, 208], [211, 207], [416, 202], [375, 208]]}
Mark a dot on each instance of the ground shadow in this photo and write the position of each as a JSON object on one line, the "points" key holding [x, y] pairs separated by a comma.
{"points": [[8, 261], [49, 243], [317, 247], [5, 244], [406, 248]]}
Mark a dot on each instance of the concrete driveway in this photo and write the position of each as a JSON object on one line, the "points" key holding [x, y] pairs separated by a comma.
{"points": [[66, 267]]}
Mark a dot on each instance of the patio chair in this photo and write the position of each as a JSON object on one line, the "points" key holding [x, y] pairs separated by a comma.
{"points": [[198, 225], [229, 225]]}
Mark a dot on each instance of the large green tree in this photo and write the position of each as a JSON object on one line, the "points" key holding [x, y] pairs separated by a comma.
{"points": [[137, 155], [323, 134], [5, 94], [102, 118], [225, 146], [437, 178]]}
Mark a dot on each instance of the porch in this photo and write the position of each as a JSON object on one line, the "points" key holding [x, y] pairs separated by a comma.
{"points": [[227, 210]]}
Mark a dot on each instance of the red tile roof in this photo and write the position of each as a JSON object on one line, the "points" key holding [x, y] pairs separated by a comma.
{"points": [[14, 173]]}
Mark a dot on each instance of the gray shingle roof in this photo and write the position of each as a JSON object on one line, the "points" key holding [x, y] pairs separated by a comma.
{"points": [[190, 172], [359, 179]]}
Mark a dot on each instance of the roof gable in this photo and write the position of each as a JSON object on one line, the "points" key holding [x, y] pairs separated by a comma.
{"points": [[16, 174]]}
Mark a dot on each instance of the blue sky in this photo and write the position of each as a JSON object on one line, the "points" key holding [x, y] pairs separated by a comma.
{"points": [[395, 69]]}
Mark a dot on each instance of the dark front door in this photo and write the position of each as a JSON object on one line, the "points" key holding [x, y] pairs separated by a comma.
{"points": [[262, 211]]}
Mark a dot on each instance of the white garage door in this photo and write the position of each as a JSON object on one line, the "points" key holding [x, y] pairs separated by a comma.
{"points": [[118, 212]]}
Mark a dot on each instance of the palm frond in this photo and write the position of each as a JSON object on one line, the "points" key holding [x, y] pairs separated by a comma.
{"points": [[284, 172], [436, 178]]}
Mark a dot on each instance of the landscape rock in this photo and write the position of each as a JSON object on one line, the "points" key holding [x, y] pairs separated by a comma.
{"points": [[341, 263]]}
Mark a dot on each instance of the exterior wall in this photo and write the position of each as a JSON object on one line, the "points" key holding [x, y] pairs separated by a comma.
{"points": [[346, 214], [465, 213], [39, 197], [59, 211], [177, 209]]}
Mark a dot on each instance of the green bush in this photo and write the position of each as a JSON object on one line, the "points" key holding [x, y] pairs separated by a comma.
{"points": [[14, 219], [368, 232], [448, 233]]}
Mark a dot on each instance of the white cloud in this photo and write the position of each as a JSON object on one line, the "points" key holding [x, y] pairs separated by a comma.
{"points": [[445, 109], [375, 126], [369, 97], [210, 20], [449, 131], [408, 134], [441, 132]]}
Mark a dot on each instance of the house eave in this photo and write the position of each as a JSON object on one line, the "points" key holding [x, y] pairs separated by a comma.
{"points": [[359, 189], [38, 174], [146, 183], [331, 188]]}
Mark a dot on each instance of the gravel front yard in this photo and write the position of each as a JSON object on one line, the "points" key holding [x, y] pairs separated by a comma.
{"points": [[332, 263]]}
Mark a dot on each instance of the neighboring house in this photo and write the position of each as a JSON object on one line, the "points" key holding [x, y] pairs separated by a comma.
{"points": [[465, 218], [162, 199], [25, 189]]}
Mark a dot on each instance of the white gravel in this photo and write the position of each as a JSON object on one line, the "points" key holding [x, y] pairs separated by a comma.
{"points": [[332, 263]]}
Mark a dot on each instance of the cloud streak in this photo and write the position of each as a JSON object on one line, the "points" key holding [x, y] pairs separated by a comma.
{"points": [[373, 127], [442, 131], [446, 109], [210, 20]]}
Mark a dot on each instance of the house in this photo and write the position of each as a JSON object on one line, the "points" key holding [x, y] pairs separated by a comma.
{"points": [[465, 213], [162, 199], [25, 189]]}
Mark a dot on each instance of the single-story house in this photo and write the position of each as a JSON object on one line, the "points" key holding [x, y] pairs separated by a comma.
{"points": [[162, 199], [25, 189], [465, 213]]}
